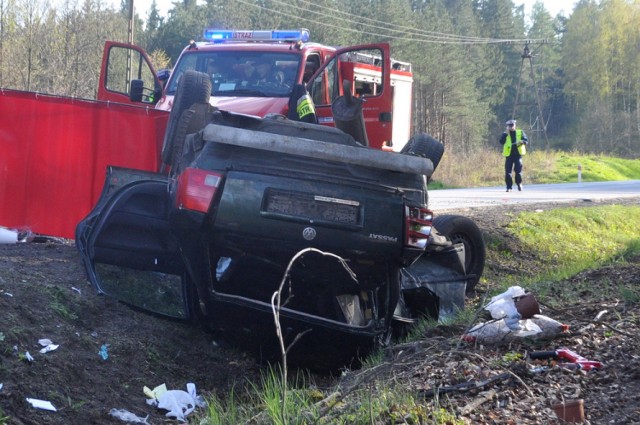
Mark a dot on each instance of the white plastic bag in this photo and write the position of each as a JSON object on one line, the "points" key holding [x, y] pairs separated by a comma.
{"points": [[504, 307]]}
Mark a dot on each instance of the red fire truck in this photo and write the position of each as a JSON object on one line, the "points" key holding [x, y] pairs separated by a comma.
{"points": [[235, 58]]}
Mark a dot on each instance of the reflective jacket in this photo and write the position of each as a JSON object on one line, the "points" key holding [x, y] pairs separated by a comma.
{"points": [[506, 150]]}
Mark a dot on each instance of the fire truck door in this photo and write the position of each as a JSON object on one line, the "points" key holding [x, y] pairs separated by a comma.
{"points": [[127, 75], [367, 67]]}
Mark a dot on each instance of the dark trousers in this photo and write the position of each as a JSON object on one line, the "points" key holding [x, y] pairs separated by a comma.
{"points": [[512, 164]]}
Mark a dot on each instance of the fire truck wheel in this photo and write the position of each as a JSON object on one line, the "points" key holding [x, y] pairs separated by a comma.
{"points": [[425, 146], [459, 229], [193, 87]]}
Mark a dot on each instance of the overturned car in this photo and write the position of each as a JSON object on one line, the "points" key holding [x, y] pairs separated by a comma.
{"points": [[253, 207]]}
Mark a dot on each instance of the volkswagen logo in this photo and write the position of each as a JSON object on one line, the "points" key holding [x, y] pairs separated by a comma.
{"points": [[309, 233]]}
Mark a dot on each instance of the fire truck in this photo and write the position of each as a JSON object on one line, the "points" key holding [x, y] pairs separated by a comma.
{"points": [[234, 59]]}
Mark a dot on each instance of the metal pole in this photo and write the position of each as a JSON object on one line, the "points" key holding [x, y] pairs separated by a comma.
{"points": [[130, 39], [130, 28]]}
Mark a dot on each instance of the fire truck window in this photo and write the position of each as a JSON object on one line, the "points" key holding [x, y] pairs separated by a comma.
{"points": [[125, 65], [324, 87], [310, 67]]}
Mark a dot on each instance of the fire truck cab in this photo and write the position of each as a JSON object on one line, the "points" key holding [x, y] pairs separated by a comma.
{"points": [[255, 73]]}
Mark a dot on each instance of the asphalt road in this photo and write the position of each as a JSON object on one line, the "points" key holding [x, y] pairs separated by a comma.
{"points": [[442, 200]]}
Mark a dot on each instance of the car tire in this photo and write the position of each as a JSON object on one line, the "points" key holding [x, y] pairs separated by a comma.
{"points": [[194, 87], [459, 229], [425, 146]]}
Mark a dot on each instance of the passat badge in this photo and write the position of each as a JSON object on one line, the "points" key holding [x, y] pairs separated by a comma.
{"points": [[309, 233]]}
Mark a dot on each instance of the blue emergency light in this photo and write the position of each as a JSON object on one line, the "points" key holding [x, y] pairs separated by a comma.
{"points": [[216, 35]]}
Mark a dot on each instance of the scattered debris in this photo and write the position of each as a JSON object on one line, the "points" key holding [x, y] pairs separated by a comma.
{"points": [[48, 345], [49, 348], [178, 403], [503, 307], [28, 356], [10, 236], [155, 393], [41, 404], [570, 411], [104, 351], [129, 417], [573, 359]]}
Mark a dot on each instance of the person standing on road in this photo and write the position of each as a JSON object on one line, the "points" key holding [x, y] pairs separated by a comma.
{"points": [[514, 143]]}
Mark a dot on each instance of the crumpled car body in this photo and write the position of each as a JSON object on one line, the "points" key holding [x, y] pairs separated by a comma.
{"points": [[153, 243]]}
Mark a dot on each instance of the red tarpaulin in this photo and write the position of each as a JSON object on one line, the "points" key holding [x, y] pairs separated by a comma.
{"points": [[54, 152]]}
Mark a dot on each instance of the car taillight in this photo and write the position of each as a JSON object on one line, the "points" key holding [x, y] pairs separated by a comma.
{"points": [[418, 223], [196, 189]]}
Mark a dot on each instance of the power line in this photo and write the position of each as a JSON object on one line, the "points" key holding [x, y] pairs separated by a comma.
{"points": [[440, 39]]}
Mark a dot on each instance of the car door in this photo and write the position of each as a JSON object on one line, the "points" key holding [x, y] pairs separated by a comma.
{"points": [[128, 248], [367, 69], [125, 66]]}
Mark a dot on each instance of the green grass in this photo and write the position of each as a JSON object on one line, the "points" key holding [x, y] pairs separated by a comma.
{"points": [[486, 169], [579, 238], [568, 241]]}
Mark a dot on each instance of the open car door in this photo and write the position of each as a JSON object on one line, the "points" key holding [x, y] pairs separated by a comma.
{"points": [[127, 247], [367, 71], [127, 75]]}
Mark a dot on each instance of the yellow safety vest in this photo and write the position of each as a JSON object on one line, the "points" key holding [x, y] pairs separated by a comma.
{"points": [[522, 149]]}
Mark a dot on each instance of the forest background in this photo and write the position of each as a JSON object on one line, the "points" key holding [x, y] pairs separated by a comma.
{"points": [[579, 90]]}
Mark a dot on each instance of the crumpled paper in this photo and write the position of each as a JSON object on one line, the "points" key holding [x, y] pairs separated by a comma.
{"points": [[48, 345]]}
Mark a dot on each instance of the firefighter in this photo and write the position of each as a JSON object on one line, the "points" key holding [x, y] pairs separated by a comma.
{"points": [[514, 143]]}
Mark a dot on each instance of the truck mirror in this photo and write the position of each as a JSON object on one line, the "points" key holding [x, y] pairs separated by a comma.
{"points": [[137, 87]]}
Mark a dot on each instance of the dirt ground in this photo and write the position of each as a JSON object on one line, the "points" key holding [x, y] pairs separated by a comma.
{"points": [[44, 294]]}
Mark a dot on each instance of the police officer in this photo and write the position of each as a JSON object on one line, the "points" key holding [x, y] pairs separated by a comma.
{"points": [[514, 143]]}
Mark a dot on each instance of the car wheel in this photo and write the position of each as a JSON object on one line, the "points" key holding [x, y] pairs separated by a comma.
{"points": [[194, 87], [459, 229], [426, 146], [191, 121]]}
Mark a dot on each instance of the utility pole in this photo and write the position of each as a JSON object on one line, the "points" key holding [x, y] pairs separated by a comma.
{"points": [[538, 123], [131, 21], [130, 40]]}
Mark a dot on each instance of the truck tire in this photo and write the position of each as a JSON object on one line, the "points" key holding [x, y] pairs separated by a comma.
{"points": [[193, 87], [425, 146], [459, 229]]}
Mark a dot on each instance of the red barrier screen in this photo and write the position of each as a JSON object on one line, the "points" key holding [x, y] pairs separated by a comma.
{"points": [[54, 152]]}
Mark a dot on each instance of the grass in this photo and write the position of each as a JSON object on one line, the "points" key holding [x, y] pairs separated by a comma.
{"points": [[486, 168], [576, 239], [571, 240]]}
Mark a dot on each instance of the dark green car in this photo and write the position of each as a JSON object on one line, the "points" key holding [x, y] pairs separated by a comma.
{"points": [[265, 221]]}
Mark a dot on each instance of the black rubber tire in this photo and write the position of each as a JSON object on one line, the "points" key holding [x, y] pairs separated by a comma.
{"points": [[193, 87], [425, 146], [459, 229], [178, 141]]}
